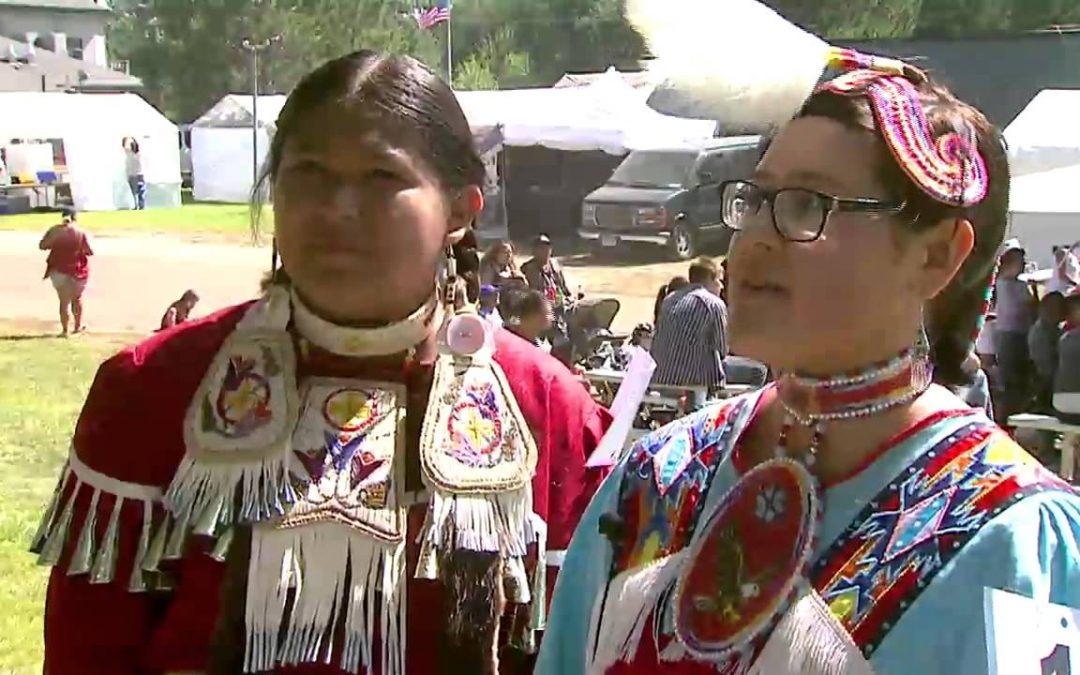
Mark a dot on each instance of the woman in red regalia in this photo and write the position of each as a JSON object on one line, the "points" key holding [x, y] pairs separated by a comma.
{"points": [[343, 475], [848, 519]]}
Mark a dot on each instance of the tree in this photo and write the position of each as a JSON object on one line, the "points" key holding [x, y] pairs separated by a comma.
{"points": [[494, 64], [845, 19], [188, 51]]}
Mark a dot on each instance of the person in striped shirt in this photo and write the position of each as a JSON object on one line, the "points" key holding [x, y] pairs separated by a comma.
{"points": [[690, 342]]}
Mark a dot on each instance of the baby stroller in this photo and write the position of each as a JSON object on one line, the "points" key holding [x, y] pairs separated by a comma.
{"points": [[589, 327]]}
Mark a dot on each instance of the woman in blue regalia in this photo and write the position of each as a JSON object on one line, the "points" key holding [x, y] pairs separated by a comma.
{"points": [[846, 519]]}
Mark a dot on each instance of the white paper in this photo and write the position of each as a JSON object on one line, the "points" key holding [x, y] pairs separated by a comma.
{"points": [[624, 409], [1030, 637]]}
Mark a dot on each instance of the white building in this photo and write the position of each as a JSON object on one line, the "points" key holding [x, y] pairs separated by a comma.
{"points": [[75, 28]]}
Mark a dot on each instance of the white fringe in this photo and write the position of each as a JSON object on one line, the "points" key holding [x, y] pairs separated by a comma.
{"points": [[810, 641], [137, 582], [98, 559], [536, 531], [48, 518], [492, 523], [619, 617], [53, 546], [83, 556], [199, 488], [103, 570], [313, 564]]}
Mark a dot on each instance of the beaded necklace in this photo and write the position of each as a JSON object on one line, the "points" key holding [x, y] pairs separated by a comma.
{"points": [[813, 402]]}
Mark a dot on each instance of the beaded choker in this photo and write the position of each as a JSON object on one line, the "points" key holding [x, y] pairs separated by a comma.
{"points": [[393, 338], [813, 402]]}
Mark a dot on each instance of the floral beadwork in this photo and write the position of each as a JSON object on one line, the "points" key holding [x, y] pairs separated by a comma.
{"points": [[349, 413], [476, 431], [474, 439], [345, 446], [247, 400], [352, 410], [243, 401]]}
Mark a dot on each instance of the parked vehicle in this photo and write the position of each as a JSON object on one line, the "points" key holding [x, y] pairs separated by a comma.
{"points": [[669, 197]]}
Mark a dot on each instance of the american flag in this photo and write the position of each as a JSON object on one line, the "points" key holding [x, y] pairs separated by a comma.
{"points": [[429, 18]]}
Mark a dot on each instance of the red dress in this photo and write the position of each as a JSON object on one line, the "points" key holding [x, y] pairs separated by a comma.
{"points": [[129, 442]]}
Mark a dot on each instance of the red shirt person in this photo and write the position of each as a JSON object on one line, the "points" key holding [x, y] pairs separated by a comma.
{"points": [[68, 266], [328, 479]]}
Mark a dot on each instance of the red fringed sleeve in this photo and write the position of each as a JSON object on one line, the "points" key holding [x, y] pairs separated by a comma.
{"points": [[102, 613]]}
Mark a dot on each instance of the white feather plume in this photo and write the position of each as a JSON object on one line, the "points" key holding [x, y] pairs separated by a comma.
{"points": [[734, 61]]}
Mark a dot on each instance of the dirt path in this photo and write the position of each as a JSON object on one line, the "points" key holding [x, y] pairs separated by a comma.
{"points": [[133, 279]]}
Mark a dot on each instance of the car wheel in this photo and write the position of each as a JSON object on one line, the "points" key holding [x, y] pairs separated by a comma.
{"points": [[683, 243]]}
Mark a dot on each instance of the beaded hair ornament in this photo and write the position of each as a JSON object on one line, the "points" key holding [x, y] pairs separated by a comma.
{"points": [[950, 168]]}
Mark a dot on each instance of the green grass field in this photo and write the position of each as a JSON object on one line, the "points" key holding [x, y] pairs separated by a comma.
{"points": [[43, 382], [231, 221]]}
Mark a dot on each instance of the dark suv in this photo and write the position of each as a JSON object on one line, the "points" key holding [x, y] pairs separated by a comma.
{"points": [[669, 197]]}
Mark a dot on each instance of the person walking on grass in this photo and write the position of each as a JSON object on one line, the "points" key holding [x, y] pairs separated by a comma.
{"points": [[68, 267]]}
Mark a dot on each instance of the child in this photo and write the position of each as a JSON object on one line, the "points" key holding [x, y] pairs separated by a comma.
{"points": [[531, 318], [489, 305], [179, 311]]}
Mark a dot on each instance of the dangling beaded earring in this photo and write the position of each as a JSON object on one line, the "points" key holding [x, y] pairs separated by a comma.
{"points": [[922, 362], [922, 340], [273, 261], [449, 276]]}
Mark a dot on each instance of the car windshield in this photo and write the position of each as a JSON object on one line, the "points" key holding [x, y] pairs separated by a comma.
{"points": [[654, 169]]}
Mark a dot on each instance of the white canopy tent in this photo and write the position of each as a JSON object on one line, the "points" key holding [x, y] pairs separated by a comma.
{"points": [[608, 115], [221, 152], [1045, 135], [92, 128], [1044, 211], [1044, 158]]}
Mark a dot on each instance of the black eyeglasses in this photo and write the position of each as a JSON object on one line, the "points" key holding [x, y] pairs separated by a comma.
{"points": [[798, 215]]}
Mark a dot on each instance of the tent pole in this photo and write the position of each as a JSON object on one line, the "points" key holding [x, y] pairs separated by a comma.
{"points": [[254, 118], [449, 52]]}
